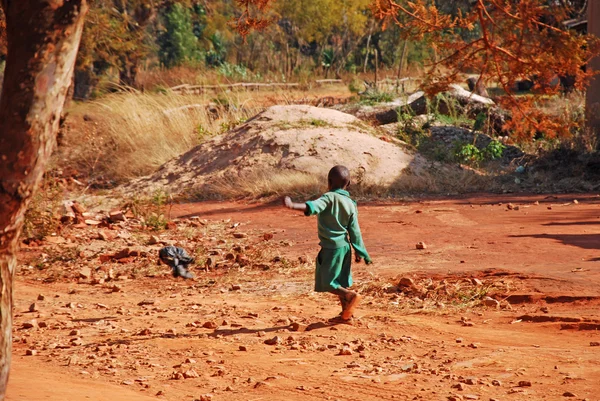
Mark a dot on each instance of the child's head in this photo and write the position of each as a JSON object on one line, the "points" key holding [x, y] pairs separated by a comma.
{"points": [[338, 178]]}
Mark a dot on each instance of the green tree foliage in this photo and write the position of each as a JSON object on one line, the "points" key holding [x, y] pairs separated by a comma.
{"points": [[177, 42]]}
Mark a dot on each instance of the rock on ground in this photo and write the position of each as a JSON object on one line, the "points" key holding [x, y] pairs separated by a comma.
{"points": [[294, 138]]}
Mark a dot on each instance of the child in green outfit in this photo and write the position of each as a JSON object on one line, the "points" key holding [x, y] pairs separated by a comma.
{"points": [[338, 229]]}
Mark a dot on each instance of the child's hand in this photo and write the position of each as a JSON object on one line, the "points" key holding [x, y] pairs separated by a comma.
{"points": [[287, 202]]}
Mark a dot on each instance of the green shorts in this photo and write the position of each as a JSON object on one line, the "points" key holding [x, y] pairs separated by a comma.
{"points": [[333, 269]]}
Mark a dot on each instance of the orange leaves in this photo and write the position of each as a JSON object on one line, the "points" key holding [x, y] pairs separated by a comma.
{"points": [[504, 41], [246, 22]]}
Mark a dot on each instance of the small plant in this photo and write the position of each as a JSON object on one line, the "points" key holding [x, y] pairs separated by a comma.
{"points": [[469, 154], [228, 70], [155, 212], [318, 123], [372, 97], [494, 150], [356, 85]]}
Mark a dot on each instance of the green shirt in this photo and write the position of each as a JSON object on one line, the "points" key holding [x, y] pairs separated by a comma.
{"points": [[337, 220]]}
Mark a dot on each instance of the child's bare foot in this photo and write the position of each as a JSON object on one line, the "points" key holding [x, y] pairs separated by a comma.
{"points": [[351, 304], [338, 319]]}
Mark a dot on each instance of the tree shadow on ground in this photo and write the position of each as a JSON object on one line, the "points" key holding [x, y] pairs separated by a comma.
{"points": [[585, 241]]}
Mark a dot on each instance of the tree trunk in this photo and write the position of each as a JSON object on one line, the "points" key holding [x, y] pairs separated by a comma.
{"points": [[592, 100], [43, 37]]}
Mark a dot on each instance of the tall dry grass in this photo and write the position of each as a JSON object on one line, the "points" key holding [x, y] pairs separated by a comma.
{"points": [[129, 134]]}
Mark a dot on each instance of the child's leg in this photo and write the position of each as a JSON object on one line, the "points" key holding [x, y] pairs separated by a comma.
{"points": [[342, 296]]}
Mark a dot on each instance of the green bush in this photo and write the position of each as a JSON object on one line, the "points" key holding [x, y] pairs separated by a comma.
{"points": [[177, 42]]}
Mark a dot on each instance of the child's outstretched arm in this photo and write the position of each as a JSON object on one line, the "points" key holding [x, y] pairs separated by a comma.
{"points": [[309, 208], [287, 202], [357, 241]]}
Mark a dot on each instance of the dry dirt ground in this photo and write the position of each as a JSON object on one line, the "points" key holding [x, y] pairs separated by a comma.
{"points": [[259, 333]]}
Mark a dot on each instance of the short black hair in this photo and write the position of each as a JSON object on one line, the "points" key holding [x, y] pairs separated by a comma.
{"points": [[338, 177]]}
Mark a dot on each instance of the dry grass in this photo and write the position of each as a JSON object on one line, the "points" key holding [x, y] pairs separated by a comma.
{"points": [[133, 133], [277, 183], [268, 183], [450, 179]]}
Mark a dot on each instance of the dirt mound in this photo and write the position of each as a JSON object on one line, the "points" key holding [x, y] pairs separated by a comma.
{"points": [[297, 138]]}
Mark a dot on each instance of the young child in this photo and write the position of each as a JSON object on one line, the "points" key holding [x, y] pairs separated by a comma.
{"points": [[338, 228]]}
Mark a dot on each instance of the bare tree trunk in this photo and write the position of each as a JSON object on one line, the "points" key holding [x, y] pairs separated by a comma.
{"points": [[367, 54], [43, 37], [592, 100]]}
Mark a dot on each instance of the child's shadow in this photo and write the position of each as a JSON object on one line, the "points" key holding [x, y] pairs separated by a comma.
{"points": [[291, 327]]}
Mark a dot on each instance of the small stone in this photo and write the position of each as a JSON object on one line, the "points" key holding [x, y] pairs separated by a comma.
{"points": [[74, 333], [127, 382], [295, 326], [473, 345], [239, 235], [524, 383], [471, 397], [491, 302], [476, 281], [421, 245], [116, 216], [273, 341], [32, 324], [345, 351], [454, 397], [235, 287], [471, 381], [496, 383], [41, 297], [243, 348], [459, 386], [568, 394], [544, 309], [575, 201], [406, 282], [85, 272], [147, 302], [268, 236], [31, 352], [594, 344], [205, 397], [209, 325], [153, 240], [459, 340], [33, 307], [190, 374]]}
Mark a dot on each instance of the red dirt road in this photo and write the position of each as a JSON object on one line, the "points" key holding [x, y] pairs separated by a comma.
{"points": [[105, 345], [552, 239]]}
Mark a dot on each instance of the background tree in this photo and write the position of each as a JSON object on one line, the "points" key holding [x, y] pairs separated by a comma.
{"points": [[510, 41], [42, 41], [593, 92], [177, 40]]}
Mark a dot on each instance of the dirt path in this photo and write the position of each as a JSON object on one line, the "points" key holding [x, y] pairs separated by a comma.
{"points": [[137, 342]]}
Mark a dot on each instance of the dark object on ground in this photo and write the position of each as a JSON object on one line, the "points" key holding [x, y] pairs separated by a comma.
{"points": [[177, 259]]}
